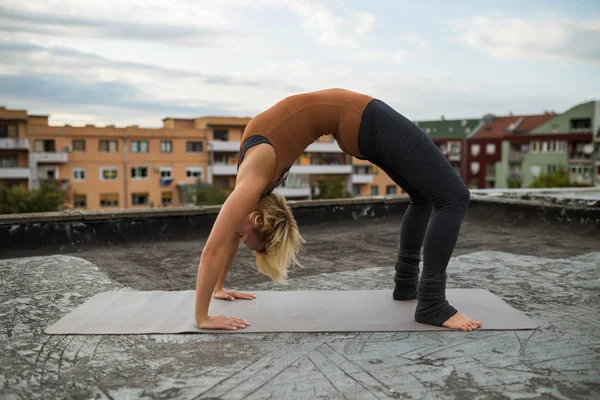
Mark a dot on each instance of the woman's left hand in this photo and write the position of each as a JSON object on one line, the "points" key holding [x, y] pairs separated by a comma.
{"points": [[231, 295]]}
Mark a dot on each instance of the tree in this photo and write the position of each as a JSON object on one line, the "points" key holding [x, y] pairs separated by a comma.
{"points": [[332, 188], [559, 178], [207, 195], [16, 199]]}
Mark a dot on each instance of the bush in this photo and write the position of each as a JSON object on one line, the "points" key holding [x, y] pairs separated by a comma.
{"points": [[332, 188], [559, 178], [16, 199], [207, 195]]}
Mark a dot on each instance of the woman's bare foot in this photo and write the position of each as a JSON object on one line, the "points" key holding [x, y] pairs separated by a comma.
{"points": [[462, 322]]}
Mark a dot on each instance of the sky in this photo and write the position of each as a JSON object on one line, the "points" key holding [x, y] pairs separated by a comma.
{"points": [[135, 62]]}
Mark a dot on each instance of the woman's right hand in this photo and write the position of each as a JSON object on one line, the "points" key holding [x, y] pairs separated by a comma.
{"points": [[222, 322]]}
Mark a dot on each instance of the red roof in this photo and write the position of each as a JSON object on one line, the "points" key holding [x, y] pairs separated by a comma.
{"points": [[508, 125]]}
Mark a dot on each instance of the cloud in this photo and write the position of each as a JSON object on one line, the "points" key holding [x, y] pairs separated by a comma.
{"points": [[115, 20], [60, 79], [531, 39]]}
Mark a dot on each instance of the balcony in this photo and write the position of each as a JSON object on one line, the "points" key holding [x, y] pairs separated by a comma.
{"points": [[362, 178], [580, 130], [319, 147], [14, 144], [334, 169], [224, 169], [57, 157], [14, 173], [291, 192], [515, 156], [223, 146]]}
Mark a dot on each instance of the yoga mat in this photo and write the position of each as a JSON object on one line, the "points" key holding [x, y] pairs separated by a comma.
{"points": [[130, 312]]}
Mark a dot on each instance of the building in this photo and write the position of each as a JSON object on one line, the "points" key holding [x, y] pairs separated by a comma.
{"points": [[568, 139], [450, 137], [125, 167]]}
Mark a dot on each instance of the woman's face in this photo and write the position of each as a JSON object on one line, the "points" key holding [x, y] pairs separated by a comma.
{"points": [[247, 233]]}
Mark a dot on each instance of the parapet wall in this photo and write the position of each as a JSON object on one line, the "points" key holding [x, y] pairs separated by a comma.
{"points": [[62, 230]]}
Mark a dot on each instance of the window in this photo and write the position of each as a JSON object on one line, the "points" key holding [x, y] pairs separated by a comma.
{"points": [[166, 173], [166, 146], [109, 199], [166, 198], [490, 148], [8, 131], [581, 124], [451, 129], [562, 146], [552, 146], [9, 162], [45, 145], [139, 173], [194, 147], [454, 147], [551, 168], [78, 145], [108, 174], [468, 130], [428, 130], [108, 146], [554, 128], [79, 174], [475, 168], [536, 170], [390, 189], [193, 173], [544, 146], [139, 199], [139, 146], [221, 159], [221, 134], [374, 190], [475, 150], [79, 201]]}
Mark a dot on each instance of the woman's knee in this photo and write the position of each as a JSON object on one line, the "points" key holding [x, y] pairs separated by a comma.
{"points": [[462, 196]]}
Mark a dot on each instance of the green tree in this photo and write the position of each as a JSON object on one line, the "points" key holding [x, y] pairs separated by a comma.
{"points": [[559, 178], [16, 199], [207, 195], [332, 188]]}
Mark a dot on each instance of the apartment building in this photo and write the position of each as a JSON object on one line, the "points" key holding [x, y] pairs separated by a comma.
{"points": [[128, 167]]}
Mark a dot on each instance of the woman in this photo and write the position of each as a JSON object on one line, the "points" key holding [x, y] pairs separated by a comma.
{"points": [[365, 128]]}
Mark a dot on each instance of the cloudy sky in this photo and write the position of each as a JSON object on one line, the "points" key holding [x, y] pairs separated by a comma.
{"points": [[137, 61]]}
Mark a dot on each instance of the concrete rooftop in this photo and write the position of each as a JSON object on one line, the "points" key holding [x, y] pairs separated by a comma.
{"points": [[548, 271]]}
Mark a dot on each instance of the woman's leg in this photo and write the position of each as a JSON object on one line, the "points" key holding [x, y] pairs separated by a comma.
{"points": [[412, 234], [410, 155]]}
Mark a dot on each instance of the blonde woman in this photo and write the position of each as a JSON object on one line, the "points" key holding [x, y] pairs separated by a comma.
{"points": [[366, 128]]}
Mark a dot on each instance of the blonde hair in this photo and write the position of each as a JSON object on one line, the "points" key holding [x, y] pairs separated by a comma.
{"points": [[280, 235]]}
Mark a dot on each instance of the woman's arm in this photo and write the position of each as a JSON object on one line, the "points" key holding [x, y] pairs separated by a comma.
{"points": [[222, 244]]}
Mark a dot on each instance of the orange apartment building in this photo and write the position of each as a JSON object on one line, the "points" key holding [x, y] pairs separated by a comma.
{"points": [[124, 167]]}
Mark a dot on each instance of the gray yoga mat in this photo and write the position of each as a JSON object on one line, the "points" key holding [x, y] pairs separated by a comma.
{"points": [[129, 312]]}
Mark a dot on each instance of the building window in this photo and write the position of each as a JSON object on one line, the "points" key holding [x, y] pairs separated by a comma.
{"points": [[544, 147], [454, 147], [139, 173], [109, 174], [451, 129], [79, 174], [166, 198], [536, 170], [221, 134], [562, 146], [109, 200], [108, 146], [475, 150], [9, 162], [374, 190], [221, 159], [390, 189], [166, 146], [581, 125], [139, 199], [490, 148], [166, 173], [475, 168], [78, 145], [45, 145], [8, 131], [193, 173], [194, 147], [139, 146], [79, 201], [554, 128]]}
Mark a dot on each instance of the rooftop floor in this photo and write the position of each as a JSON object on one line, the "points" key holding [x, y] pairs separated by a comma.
{"points": [[549, 273]]}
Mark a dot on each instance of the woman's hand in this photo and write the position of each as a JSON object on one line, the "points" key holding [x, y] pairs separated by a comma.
{"points": [[222, 322], [232, 295]]}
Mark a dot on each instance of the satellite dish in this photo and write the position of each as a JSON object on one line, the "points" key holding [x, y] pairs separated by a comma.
{"points": [[588, 148]]}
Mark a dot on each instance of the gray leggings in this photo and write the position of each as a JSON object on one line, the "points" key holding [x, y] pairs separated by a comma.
{"points": [[413, 161]]}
